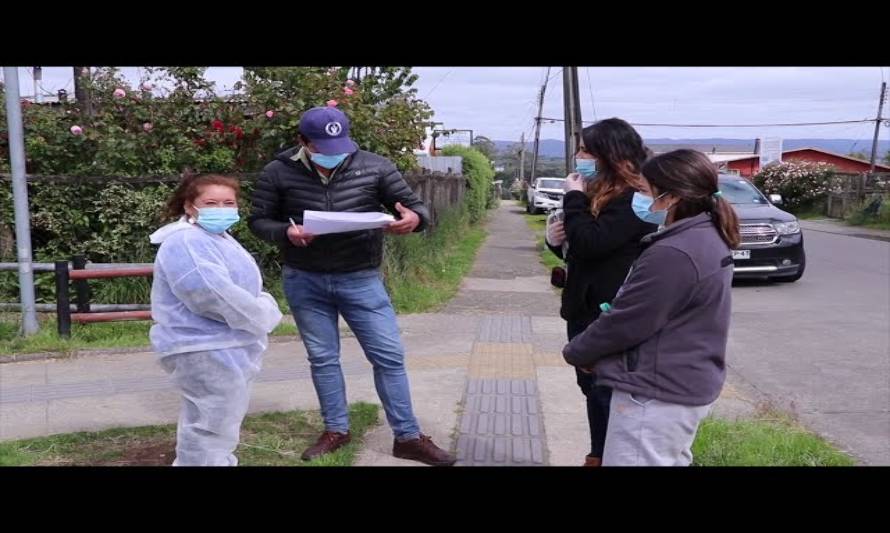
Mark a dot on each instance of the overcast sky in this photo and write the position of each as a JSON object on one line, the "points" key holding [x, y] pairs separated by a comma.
{"points": [[500, 102]]}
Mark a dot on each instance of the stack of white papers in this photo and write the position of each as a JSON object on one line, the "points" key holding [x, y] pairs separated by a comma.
{"points": [[322, 222]]}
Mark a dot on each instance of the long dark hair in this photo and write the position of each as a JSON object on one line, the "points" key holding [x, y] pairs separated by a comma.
{"points": [[621, 154], [692, 177], [189, 188]]}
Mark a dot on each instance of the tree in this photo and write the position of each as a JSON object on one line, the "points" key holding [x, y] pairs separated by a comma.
{"points": [[859, 155], [386, 116], [486, 146]]}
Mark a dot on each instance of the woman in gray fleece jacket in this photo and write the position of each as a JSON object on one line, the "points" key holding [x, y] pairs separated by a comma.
{"points": [[661, 345]]}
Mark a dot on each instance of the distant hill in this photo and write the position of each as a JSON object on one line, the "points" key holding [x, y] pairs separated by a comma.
{"points": [[556, 148]]}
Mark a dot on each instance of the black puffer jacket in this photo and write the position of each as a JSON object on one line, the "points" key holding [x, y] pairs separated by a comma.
{"points": [[364, 182], [601, 252]]}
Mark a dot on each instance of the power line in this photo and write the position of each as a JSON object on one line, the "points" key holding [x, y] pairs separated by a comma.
{"points": [[590, 89], [732, 125], [557, 73], [436, 86], [756, 125]]}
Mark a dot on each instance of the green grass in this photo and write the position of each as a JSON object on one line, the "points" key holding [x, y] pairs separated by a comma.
{"points": [[810, 215], [881, 220], [424, 273], [768, 439], [102, 335], [538, 224], [285, 329], [271, 439], [83, 336]]}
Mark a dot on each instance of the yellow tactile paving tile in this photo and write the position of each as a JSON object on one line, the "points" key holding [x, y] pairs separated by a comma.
{"points": [[549, 359], [495, 360], [432, 362]]}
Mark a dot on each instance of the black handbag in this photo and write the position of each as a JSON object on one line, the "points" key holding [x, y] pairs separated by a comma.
{"points": [[558, 277]]}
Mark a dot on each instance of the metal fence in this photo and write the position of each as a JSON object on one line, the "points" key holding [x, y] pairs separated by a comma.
{"points": [[443, 164]]}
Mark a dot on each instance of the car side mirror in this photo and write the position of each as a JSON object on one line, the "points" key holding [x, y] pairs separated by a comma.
{"points": [[775, 199]]}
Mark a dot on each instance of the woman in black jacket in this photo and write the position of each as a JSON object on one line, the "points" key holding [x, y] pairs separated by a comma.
{"points": [[602, 235]]}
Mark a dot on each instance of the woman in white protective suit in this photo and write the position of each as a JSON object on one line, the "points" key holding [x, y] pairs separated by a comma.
{"points": [[212, 318]]}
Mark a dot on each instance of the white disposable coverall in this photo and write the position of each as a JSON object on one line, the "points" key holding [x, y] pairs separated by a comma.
{"points": [[212, 321]]}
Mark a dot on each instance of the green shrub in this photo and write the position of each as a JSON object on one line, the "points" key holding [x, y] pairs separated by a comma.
{"points": [[865, 214], [803, 185], [479, 174]]}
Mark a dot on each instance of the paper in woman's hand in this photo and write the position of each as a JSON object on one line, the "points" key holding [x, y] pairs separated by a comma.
{"points": [[322, 222]]}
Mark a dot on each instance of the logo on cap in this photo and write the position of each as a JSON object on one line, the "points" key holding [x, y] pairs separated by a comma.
{"points": [[333, 128]]}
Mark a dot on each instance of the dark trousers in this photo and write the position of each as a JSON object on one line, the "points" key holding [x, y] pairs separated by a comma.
{"points": [[598, 400]]}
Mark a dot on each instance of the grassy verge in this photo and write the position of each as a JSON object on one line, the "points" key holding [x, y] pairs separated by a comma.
{"points": [[879, 220], [271, 439], [423, 273], [538, 224], [102, 335], [810, 215], [769, 438], [83, 336]]}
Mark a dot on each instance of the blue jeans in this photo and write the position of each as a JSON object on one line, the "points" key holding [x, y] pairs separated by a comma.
{"points": [[316, 299]]}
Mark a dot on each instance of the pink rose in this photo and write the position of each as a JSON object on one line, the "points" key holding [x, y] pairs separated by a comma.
{"points": [[147, 127], [350, 83], [120, 93], [270, 113], [347, 91], [332, 103], [76, 130], [146, 86]]}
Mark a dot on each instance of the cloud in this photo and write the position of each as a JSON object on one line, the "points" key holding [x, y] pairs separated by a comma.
{"points": [[500, 102]]}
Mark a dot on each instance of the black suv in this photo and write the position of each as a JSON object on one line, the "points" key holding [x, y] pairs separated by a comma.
{"points": [[772, 243]]}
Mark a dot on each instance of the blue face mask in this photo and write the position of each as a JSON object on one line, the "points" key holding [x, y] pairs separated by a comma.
{"points": [[327, 161], [217, 219], [586, 167], [642, 204]]}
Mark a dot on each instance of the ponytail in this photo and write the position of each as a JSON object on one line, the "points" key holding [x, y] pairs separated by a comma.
{"points": [[726, 220]]}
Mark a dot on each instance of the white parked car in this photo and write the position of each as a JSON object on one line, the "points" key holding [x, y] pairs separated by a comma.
{"points": [[545, 194]]}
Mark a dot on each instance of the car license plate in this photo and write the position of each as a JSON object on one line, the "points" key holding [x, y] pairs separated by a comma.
{"points": [[741, 254]]}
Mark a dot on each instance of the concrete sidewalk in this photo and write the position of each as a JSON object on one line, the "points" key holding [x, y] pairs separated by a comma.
{"points": [[838, 227], [486, 373]]}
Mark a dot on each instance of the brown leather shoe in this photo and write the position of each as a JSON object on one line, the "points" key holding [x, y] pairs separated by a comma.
{"points": [[423, 450], [593, 461], [328, 442]]}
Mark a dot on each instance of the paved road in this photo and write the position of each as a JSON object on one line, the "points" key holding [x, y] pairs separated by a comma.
{"points": [[821, 346]]}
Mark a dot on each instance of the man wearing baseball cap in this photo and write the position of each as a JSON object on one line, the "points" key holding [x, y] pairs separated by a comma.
{"points": [[329, 275]]}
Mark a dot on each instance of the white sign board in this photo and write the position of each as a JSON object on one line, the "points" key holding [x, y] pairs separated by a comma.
{"points": [[770, 151]]}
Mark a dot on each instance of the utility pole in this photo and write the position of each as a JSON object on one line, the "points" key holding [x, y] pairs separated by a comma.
{"points": [[572, 106], [874, 143], [20, 199], [81, 93], [538, 127], [433, 133], [36, 76], [522, 157]]}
